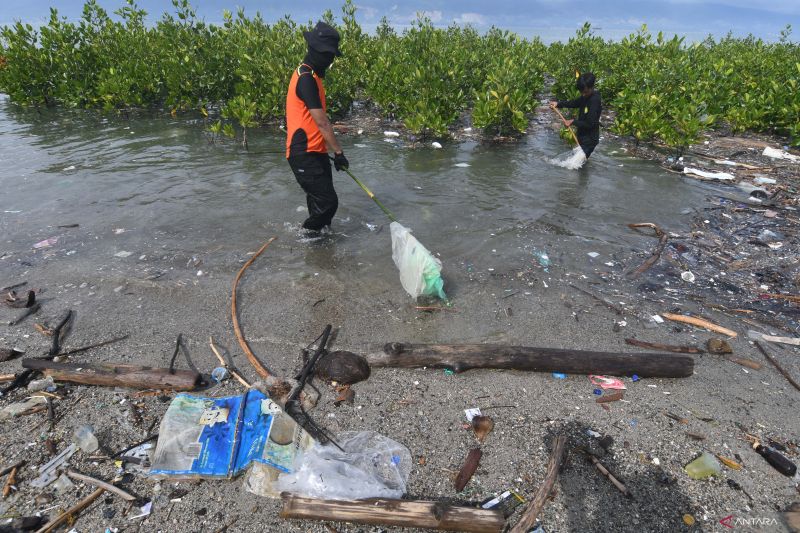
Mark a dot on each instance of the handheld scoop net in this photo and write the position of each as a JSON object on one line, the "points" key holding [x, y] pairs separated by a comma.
{"points": [[420, 271], [573, 159]]}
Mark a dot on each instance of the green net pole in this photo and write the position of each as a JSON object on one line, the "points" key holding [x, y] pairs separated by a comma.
{"points": [[369, 193]]}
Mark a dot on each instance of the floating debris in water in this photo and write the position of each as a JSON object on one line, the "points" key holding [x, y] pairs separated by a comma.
{"points": [[462, 165], [45, 243]]}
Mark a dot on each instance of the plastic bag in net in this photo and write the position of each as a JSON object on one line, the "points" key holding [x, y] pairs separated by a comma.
{"points": [[420, 272]]}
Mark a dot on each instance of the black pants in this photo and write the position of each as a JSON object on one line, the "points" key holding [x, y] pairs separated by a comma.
{"points": [[588, 144], [313, 173]]}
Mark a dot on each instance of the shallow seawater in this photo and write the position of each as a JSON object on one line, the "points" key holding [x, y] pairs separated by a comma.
{"points": [[148, 185]]}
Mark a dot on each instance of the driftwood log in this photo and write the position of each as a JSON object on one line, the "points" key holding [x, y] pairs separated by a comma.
{"points": [[116, 375], [401, 513], [461, 357], [528, 519]]}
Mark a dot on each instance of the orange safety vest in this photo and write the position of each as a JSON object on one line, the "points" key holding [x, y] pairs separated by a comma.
{"points": [[298, 117]]}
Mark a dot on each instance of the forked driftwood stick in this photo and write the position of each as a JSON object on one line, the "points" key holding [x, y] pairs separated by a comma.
{"points": [[258, 365], [775, 363], [653, 259], [222, 361], [71, 512], [664, 347], [401, 513], [536, 505], [700, 323], [56, 346], [25, 314]]}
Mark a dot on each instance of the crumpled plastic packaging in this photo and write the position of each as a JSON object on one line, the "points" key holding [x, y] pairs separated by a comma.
{"points": [[420, 272], [372, 466]]}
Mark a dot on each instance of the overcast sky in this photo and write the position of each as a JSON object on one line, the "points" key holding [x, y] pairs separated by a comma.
{"points": [[551, 20]]}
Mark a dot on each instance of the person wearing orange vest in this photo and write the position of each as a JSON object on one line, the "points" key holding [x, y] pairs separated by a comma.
{"points": [[309, 134]]}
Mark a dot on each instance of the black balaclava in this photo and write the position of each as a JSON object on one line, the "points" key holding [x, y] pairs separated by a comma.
{"points": [[318, 61]]}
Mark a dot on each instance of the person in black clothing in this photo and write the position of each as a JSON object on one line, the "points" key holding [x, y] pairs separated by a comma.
{"points": [[310, 135], [589, 108]]}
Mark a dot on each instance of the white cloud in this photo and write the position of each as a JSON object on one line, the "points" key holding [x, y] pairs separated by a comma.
{"points": [[786, 7], [435, 16], [369, 13], [471, 18]]}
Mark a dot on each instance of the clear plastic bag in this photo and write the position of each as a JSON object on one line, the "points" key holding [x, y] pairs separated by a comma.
{"points": [[372, 466], [420, 272]]}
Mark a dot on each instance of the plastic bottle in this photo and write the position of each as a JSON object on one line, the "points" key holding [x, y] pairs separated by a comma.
{"points": [[704, 466], [777, 460], [84, 438]]}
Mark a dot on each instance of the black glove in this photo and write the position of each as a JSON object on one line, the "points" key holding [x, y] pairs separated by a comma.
{"points": [[340, 161]]}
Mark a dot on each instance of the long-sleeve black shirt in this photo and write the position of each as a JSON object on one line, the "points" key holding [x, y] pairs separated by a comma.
{"points": [[588, 121]]}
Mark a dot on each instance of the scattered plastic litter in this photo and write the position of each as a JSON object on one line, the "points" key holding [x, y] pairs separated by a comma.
{"points": [[763, 180], [220, 374], [505, 502], [436, 144], [45, 243], [593, 254], [605, 382], [144, 510], [687, 276], [472, 413], [462, 165], [420, 271], [123, 253], [220, 437], [559, 375], [63, 484], [724, 176], [84, 438], [391, 134], [542, 257], [775, 153], [703, 467], [48, 471], [19, 408], [371, 466], [41, 384]]}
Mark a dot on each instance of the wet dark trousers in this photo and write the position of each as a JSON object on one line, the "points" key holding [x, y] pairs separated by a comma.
{"points": [[588, 145], [313, 173]]}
